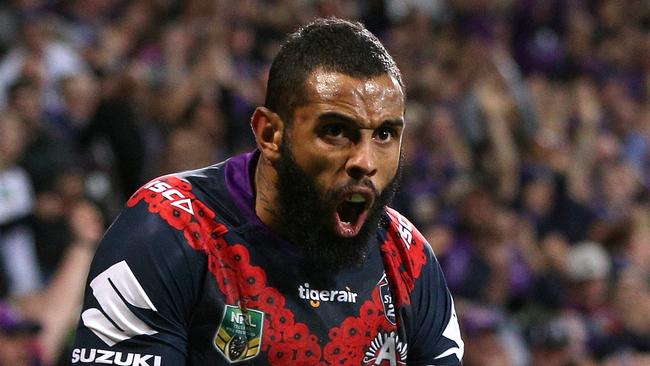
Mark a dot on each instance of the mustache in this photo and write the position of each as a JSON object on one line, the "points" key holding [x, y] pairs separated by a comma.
{"points": [[351, 185]]}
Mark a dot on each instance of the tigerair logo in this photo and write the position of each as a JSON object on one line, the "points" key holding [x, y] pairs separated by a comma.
{"points": [[315, 297]]}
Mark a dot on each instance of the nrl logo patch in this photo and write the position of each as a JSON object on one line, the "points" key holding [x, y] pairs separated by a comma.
{"points": [[239, 336]]}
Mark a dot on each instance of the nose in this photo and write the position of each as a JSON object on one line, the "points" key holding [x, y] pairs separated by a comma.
{"points": [[362, 161]]}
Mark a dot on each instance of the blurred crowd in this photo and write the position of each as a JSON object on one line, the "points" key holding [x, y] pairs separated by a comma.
{"points": [[527, 152]]}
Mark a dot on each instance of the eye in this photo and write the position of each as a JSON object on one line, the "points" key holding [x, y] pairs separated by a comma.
{"points": [[333, 130], [385, 134]]}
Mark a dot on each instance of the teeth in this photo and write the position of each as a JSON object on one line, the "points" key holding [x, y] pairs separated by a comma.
{"points": [[356, 198]]}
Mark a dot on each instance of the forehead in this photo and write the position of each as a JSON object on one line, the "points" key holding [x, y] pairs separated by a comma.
{"points": [[378, 97]]}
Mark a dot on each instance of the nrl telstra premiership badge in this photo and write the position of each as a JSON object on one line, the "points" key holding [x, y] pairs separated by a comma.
{"points": [[239, 336]]}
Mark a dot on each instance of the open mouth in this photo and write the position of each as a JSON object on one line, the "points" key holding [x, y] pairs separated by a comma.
{"points": [[351, 214]]}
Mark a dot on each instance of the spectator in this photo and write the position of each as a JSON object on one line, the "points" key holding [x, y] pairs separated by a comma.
{"points": [[20, 274], [38, 55], [589, 274], [482, 328], [45, 155], [18, 345]]}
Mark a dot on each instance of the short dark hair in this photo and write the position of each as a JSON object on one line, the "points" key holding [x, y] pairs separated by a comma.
{"points": [[331, 44]]}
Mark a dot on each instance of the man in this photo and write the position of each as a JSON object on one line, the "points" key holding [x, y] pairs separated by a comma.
{"points": [[287, 255]]}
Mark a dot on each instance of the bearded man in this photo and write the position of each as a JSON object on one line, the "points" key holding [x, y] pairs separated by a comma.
{"points": [[287, 255]]}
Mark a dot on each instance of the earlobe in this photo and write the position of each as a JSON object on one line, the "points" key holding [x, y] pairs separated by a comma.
{"points": [[268, 128]]}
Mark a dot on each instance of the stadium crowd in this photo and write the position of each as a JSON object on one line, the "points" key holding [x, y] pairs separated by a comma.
{"points": [[526, 165]]}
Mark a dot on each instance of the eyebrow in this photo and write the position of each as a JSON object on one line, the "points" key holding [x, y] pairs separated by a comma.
{"points": [[347, 119], [394, 122]]}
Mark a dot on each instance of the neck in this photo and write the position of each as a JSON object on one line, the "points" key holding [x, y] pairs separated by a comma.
{"points": [[265, 193]]}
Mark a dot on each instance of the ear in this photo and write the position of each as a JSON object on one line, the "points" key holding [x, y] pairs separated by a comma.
{"points": [[267, 128]]}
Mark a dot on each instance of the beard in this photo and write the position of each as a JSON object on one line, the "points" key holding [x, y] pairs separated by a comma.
{"points": [[306, 216]]}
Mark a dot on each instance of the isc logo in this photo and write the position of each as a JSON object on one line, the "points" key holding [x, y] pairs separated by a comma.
{"points": [[178, 199], [405, 231]]}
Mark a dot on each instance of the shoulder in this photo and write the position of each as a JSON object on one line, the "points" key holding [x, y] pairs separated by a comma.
{"points": [[406, 254], [419, 286], [169, 194], [180, 201], [408, 241], [163, 235]]}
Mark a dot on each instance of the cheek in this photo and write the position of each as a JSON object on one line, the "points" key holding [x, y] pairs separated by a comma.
{"points": [[321, 168], [321, 163], [328, 175], [388, 165]]}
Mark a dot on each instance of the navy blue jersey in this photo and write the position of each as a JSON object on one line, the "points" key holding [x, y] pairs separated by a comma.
{"points": [[189, 275]]}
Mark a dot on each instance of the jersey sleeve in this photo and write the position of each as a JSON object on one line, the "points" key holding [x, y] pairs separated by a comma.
{"points": [[434, 337], [141, 287], [425, 305]]}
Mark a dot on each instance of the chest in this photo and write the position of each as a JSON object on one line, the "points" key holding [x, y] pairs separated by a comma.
{"points": [[261, 307]]}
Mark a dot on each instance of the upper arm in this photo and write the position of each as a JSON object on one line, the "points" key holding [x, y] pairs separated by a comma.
{"points": [[434, 334], [141, 287]]}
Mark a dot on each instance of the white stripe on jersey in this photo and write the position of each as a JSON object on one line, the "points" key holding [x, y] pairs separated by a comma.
{"points": [[109, 287]]}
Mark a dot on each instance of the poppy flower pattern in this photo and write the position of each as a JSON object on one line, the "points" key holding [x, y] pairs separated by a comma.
{"points": [[403, 259], [285, 340]]}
